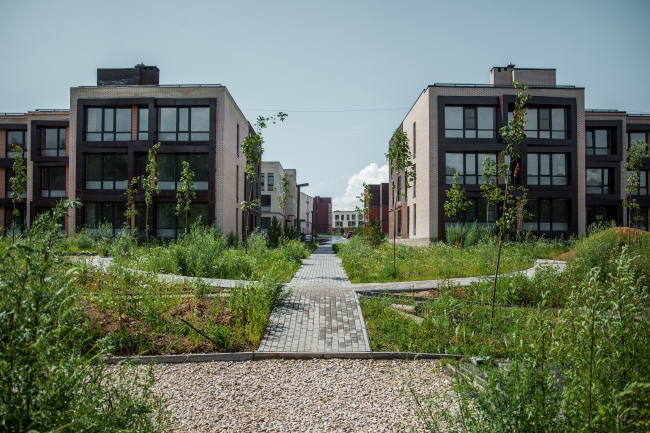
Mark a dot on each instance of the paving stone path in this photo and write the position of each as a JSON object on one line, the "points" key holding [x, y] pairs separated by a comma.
{"points": [[322, 314]]}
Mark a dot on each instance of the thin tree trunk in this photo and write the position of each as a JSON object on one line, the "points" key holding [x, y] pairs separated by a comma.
{"points": [[248, 214], [494, 286], [146, 220], [394, 238]]}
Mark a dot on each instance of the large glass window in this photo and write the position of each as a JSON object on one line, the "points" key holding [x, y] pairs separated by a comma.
{"points": [[468, 165], [17, 223], [642, 188], [183, 123], [53, 141], [599, 180], [545, 123], [96, 213], [106, 170], [600, 214], [636, 136], [640, 218], [143, 123], [470, 122], [478, 211], [169, 225], [266, 203], [9, 173], [170, 166], [262, 182], [599, 142], [547, 215], [547, 169], [271, 181], [15, 138], [53, 182], [108, 124]]}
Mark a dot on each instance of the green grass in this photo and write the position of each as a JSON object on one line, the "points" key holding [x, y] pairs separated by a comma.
{"points": [[364, 264]]}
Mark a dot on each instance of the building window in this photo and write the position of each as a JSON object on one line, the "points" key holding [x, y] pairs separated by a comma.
{"points": [[478, 212], [266, 203], [599, 180], [353, 217], [468, 165], [266, 223], [183, 123], [237, 139], [53, 141], [636, 136], [599, 142], [15, 138], [9, 173], [53, 182], [143, 123], [106, 170], [270, 183], [408, 221], [169, 225], [347, 217], [470, 122], [106, 213], [170, 166], [336, 217], [353, 223], [262, 182], [600, 214], [108, 124], [642, 188], [545, 123], [640, 218], [17, 223], [414, 140], [547, 215], [399, 223], [414, 219], [237, 185], [399, 188], [547, 169], [415, 179]]}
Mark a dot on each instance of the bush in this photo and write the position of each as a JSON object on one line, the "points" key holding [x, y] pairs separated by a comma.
{"points": [[47, 380], [232, 240]]}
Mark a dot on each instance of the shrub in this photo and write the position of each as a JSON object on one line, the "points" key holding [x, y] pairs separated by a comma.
{"points": [[232, 240]]}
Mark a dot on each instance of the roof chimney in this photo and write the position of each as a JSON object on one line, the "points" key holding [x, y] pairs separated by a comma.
{"points": [[139, 75]]}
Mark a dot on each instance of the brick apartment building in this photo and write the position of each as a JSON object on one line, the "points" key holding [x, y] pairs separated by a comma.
{"points": [[104, 138], [572, 159], [380, 205], [322, 215]]}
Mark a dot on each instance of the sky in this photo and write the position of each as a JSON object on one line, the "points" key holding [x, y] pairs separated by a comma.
{"points": [[346, 72]]}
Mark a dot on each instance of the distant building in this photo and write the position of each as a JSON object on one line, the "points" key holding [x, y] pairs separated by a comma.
{"points": [[345, 220], [322, 215], [379, 205]]}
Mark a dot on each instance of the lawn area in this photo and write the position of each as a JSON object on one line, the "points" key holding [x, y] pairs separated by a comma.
{"points": [[365, 264]]}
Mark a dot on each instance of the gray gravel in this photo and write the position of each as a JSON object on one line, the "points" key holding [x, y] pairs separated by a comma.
{"points": [[320, 395]]}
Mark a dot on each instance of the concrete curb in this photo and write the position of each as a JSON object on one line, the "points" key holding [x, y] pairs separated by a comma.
{"points": [[259, 356]]}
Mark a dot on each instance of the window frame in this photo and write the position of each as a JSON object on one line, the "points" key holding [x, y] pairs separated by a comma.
{"points": [[629, 133], [9, 173], [8, 146], [179, 220], [102, 178], [116, 216], [103, 132], [142, 134], [642, 188], [536, 219], [176, 132], [538, 119], [57, 149], [610, 150], [606, 174], [550, 176], [46, 177], [476, 130], [178, 158], [462, 176]]}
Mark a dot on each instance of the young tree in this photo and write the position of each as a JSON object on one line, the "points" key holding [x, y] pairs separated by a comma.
{"points": [[637, 152], [489, 189], [512, 206], [18, 181], [366, 200], [185, 192], [275, 232], [150, 183], [456, 204], [131, 210], [282, 198], [253, 150], [401, 163]]}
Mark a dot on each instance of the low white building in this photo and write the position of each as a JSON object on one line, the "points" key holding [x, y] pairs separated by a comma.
{"points": [[345, 220]]}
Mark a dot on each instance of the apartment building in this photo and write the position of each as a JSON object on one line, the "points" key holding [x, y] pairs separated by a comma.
{"points": [[346, 220], [306, 214], [572, 159], [379, 205], [92, 150], [322, 217]]}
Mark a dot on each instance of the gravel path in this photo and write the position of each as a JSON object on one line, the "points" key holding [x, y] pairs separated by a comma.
{"points": [[332, 395]]}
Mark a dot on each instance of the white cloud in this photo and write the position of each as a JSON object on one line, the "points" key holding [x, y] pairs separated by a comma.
{"points": [[370, 174]]}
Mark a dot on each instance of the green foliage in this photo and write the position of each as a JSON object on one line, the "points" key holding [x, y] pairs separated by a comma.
{"points": [[150, 182], [373, 234], [185, 193], [637, 152], [282, 198], [48, 382], [232, 240], [131, 211], [274, 232], [18, 184], [364, 264], [455, 204], [458, 235]]}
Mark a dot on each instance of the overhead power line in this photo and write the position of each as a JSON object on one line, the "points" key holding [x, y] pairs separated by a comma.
{"points": [[324, 111]]}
